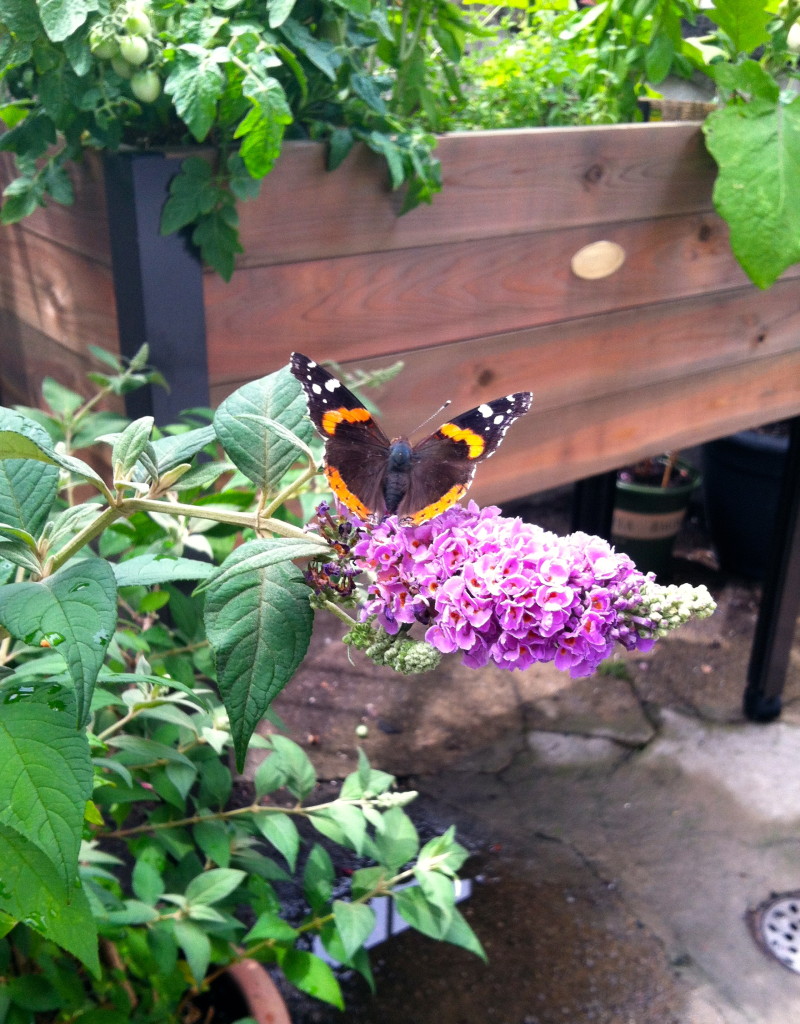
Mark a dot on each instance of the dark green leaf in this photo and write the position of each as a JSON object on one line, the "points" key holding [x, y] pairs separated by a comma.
{"points": [[33, 892], [744, 21], [262, 455], [74, 610], [311, 975], [217, 237], [46, 776], [192, 193], [355, 923], [147, 570], [757, 148], [281, 832], [195, 85], [258, 621], [62, 17]]}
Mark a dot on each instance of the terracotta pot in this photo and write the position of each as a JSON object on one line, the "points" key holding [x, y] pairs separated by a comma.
{"points": [[264, 1002]]}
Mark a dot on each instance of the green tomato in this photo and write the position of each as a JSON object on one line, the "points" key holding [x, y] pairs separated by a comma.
{"points": [[121, 66], [793, 38], [146, 86], [134, 49], [137, 23], [102, 43]]}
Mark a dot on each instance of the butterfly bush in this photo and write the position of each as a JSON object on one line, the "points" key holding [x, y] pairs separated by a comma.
{"points": [[504, 591]]}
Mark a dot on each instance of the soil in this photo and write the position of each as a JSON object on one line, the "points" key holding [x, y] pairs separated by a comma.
{"points": [[564, 945]]}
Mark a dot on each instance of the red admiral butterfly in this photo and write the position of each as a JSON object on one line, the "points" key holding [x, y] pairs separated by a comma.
{"points": [[373, 476]]}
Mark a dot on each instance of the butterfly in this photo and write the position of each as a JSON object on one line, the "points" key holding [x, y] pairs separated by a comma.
{"points": [[374, 477]]}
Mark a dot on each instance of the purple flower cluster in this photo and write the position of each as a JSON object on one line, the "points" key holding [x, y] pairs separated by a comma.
{"points": [[504, 591]]}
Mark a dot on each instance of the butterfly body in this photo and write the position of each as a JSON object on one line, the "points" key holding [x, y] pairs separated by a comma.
{"points": [[373, 476]]}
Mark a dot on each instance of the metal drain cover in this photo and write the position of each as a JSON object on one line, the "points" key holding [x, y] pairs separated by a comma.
{"points": [[776, 927]]}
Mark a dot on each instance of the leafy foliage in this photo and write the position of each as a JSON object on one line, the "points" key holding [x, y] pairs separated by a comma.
{"points": [[113, 737], [238, 75]]}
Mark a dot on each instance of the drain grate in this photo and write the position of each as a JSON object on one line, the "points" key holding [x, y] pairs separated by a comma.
{"points": [[776, 926]]}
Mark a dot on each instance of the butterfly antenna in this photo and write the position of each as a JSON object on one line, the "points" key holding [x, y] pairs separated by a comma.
{"points": [[432, 416]]}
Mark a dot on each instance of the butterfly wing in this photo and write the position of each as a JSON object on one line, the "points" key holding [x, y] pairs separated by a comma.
{"points": [[445, 462], [356, 449]]}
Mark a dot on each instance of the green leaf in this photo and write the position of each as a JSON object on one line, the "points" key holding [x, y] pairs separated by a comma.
{"points": [[321, 53], [355, 922], [459, 933], [281, 831], [196, 947], [61, 18], [192, 193], [75, 610], [757, 149], [46, 779], [31, 891], [130, 444], [196, 85], [744, 21], [262, 132], [63, 401], [217, 237], [342, 823], [258, 621], [279, 11], [148, 570], [658, 58], [214, 885], [396, 839], [214, 840], [339, 145], [298, 771], [428, 918], [18, 445], [173, 451], [310, 974], [318, 878], [27, 489], [147, 882], [262, 455], [271, 926], [366, 781]]}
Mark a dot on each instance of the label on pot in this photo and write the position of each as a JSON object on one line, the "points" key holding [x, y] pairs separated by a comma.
{"points": [[646, 525]]}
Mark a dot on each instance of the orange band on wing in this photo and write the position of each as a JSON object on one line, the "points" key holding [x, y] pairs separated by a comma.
{"points": [[437, 507], [474, 442], [344, 494], [333, 417]]}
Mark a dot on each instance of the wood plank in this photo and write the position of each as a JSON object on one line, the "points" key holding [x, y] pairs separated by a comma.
{"points": [[579, 359], [82, 227], [548, 448], [495, 183], [358, 307], [62, 294], [28, 356]]}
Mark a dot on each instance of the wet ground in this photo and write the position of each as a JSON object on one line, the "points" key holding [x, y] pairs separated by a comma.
{"points": [[621, 826]]}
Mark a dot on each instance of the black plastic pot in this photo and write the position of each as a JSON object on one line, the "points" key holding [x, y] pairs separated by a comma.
{"points": [[742, 482], [647, 520]]}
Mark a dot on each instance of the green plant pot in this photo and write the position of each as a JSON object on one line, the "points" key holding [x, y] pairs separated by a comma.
{"points": [[647, 520]]}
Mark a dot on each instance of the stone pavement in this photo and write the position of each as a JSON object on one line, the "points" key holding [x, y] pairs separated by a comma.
{"points": [[634, 818]]}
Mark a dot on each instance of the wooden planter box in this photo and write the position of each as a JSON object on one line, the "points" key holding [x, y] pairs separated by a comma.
{"points": [[476, 294]]}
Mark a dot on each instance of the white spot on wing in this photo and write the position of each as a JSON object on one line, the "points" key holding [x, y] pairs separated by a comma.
{"points": [[332, 384], [485, 411]]}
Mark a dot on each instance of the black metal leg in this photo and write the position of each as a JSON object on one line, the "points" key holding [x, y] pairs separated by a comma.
{"points": [[158, 281], [593, 504], [780, 601]]}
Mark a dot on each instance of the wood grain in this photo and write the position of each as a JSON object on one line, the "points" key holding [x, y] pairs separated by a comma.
{"points": [[61, 293], [82, 227], [360, 306], [545, 449], [495, 183]]}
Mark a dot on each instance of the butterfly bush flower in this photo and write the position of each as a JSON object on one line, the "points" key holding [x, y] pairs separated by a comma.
{"points": [[499, 590]]}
